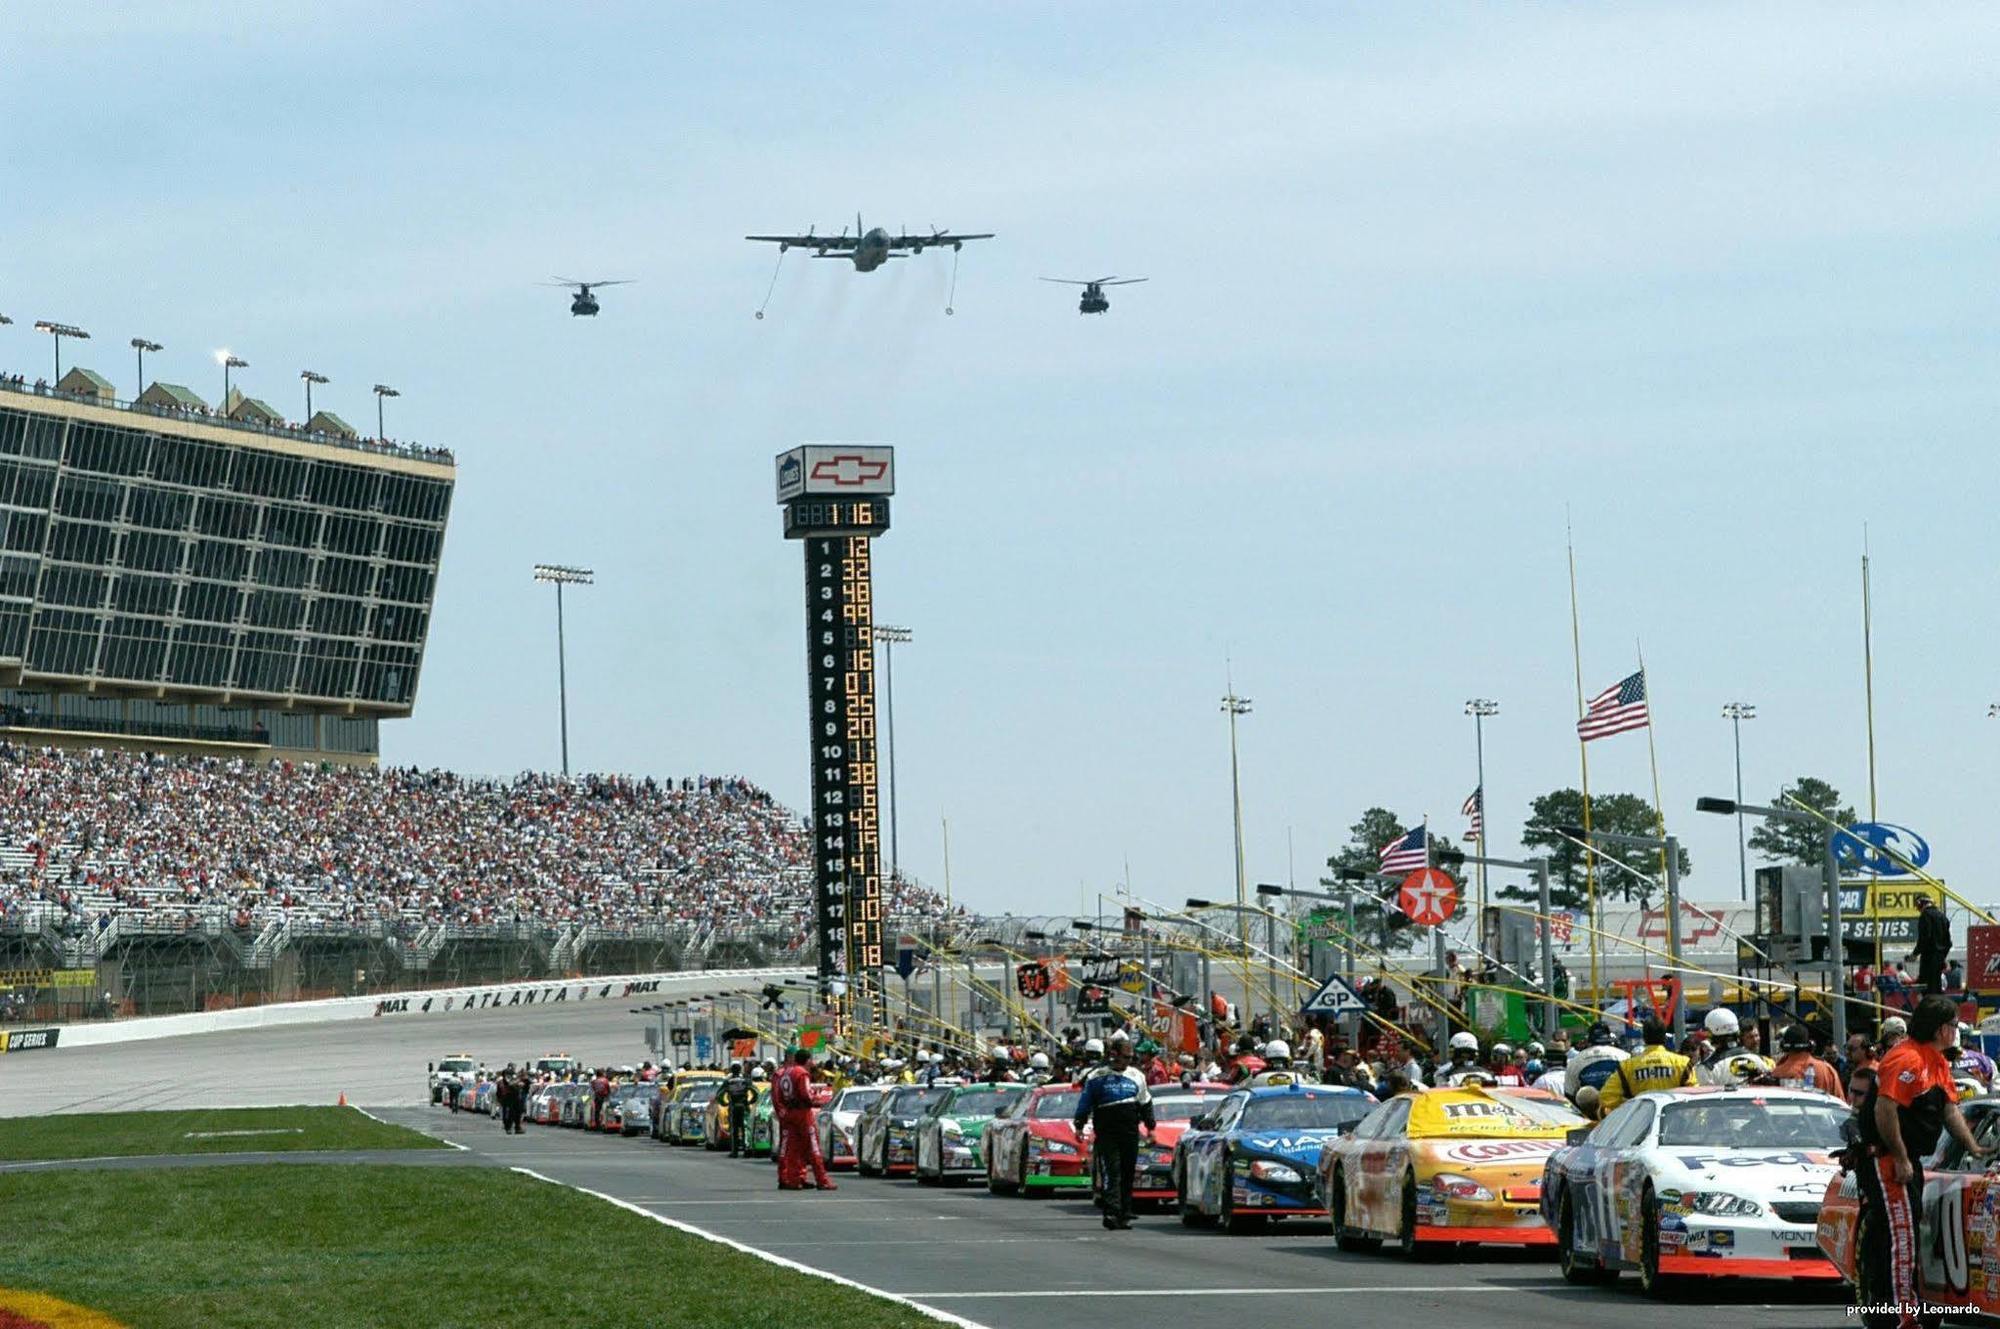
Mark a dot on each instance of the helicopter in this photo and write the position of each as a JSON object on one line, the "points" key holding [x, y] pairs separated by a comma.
{"points": [[1094, 300], [583, 303]]}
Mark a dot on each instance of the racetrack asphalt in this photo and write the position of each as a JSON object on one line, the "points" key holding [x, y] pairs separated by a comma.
{"points": [[1047, 1263]]}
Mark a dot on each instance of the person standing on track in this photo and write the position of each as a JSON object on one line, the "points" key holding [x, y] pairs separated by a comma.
{"points": [[798, 1142], [739, 1092], [1912, 1104], [1119, 1101]]}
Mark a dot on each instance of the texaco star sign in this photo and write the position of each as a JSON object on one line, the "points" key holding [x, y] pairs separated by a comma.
{"points": [[1428, 897]]}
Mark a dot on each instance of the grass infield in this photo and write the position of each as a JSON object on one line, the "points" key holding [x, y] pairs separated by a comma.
{"points": [[340, 1247], [211, 1131]]}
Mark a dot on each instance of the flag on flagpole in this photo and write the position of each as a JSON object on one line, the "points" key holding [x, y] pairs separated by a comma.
{"points": [[1406, 853], [1475, 812], [1617, 709]]}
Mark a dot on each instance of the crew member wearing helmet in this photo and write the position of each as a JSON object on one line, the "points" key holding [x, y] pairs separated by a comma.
{"points": [[1731, 1062], [1505, 1070], [1278, 1068], [1798, 1068], [1038, 1069], [1246, 1062], [1464, 1065], [1656, 1068], [1591, 1065]]}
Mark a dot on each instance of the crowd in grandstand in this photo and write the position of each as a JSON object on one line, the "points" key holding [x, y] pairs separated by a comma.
{"points": [[98, 833]]}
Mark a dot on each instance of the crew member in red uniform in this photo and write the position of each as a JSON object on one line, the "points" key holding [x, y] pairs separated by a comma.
{"points": [[798, 1142], [1913, 1103]]}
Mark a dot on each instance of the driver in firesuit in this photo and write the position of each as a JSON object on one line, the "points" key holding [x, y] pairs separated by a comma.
{"points": [[739, 1092], [798, 1142], [1119, 1101], [1912, 1104]]}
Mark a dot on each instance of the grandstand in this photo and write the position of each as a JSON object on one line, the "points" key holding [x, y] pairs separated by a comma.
{"points": [[192, 882], [208, 582]]}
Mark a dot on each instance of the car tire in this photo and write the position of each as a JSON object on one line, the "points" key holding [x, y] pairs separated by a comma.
{"points": [[1235, 1224], [1191, 1215], [1659, 1286], [1412, 1249], [1336, 1210], [1021, 1186], [996, 1186], [862, 1165], [1576, 1269]]}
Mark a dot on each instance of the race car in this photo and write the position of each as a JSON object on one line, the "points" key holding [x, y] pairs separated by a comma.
{"points": [[1453, 1166], [545, 1104], [1174, 1106], [1032, 1145], [948, 1134], [1958, 1225], [1252, 1157], [573, 1105], [885, 1136], [1714, 1181], [835, 1122], [628, 1111], [715, 1123], [682, 1122], [763, 1134]]}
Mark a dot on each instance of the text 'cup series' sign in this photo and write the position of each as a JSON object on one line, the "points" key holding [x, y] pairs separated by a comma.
{"points": [[1428, 896]]}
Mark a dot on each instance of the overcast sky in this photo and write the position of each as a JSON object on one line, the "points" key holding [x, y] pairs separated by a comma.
{"points": [[1715, 280]]}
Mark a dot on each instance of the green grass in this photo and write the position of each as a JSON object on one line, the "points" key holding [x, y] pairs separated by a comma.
{"points": [[123, 1134], [344, 1247]]}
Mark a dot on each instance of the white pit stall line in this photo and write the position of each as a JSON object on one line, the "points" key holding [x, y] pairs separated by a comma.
{"points": [[1016, 1294], [901, 1299], [449, 1144]]}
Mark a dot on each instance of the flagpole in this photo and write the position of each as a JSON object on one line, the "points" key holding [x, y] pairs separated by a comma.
{"points": [[1868, 678], [1583, 758], [1653, 759]]}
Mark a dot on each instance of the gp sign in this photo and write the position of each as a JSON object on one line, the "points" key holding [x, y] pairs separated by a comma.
{"points": [[1876, 847]]}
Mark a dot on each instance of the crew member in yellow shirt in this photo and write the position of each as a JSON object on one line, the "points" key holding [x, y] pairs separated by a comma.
{"points": [[1656, 1067]]}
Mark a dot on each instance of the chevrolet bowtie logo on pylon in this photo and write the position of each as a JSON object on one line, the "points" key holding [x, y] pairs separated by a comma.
{"points": [[848, 470]]}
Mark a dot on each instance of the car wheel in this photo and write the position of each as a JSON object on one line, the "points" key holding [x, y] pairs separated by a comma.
{"points": [[1407, 1234], [1575, 1268], [1651, 1281], [1021, 1186], [924, 1178], [861, 1163], [1233, 1223], [997, 1186], [1337, 1211], [1191, 1214]]}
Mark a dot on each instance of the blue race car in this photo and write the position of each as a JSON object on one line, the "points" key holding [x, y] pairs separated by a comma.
{"points": [[1255, 1156]]}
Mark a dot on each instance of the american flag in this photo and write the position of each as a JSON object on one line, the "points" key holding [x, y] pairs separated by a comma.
{"points": [[1616, 709], [1407, 852], [1475, 811]]}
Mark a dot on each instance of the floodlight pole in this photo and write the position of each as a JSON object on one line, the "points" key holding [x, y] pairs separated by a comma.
{"points": [[1830, 869], [560, 575], [141, 345]]}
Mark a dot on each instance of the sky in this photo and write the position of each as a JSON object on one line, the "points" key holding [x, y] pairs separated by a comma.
{"points": [[1709, 285]]}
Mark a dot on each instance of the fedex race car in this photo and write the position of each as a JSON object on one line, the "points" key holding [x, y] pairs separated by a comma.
{"points": [[1710, 1181], [1452, 1166], [1252, 1157], [1032, 1144], [1958, 1229]]}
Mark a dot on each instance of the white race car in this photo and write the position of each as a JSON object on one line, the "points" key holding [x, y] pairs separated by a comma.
{"points": [[1696, 1182]]}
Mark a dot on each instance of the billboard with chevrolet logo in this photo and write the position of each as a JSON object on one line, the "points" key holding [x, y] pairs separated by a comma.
{"points": [[844, 469]]}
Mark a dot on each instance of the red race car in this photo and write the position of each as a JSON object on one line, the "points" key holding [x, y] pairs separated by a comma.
{"points": [[1174, 1105], [1032, 1145]]}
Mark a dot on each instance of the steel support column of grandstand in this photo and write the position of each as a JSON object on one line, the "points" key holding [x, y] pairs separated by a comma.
{"points": [[1836, 946]]}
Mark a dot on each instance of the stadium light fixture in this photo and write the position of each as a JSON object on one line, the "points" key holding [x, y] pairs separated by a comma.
{"points": [[141, 345], [560, 575], [382, 390], [1736, 712], [59, 331], [229, 360], [311, 378]]}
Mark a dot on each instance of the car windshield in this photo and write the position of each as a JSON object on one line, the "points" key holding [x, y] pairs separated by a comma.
{"points": [[1543, 1111], [1754, 1123], [859, 1100], [980, 1102], [915, 1102], [1307, 1112], [700, 1093], [1056, 1107], [628, 1091], [1181, 1107], [454, 1065]]}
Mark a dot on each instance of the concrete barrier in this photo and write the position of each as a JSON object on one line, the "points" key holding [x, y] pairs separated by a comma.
{"points": [[442, 1005]]}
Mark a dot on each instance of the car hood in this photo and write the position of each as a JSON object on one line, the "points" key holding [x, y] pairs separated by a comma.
{"points": [[1758, 1174], [970, 1127], [1054, 1129], [1297, 1146]]}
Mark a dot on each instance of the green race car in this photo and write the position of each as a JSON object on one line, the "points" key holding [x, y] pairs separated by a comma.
{"points": [[763, 1127], [949, 1134]]}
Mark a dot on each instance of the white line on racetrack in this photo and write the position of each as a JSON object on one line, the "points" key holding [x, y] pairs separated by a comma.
{"points": [[814, 1203], [1211, 1291], [931, 1241]]}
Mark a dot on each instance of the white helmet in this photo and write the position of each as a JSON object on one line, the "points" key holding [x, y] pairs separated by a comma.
{"points": [[1503, 1049], [937, 1058], [1039, 1062], [1721, 1023], [1276, 1048], [1464, 1041], [1739, 1068], [1093, 1047], [758, 1074]]}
